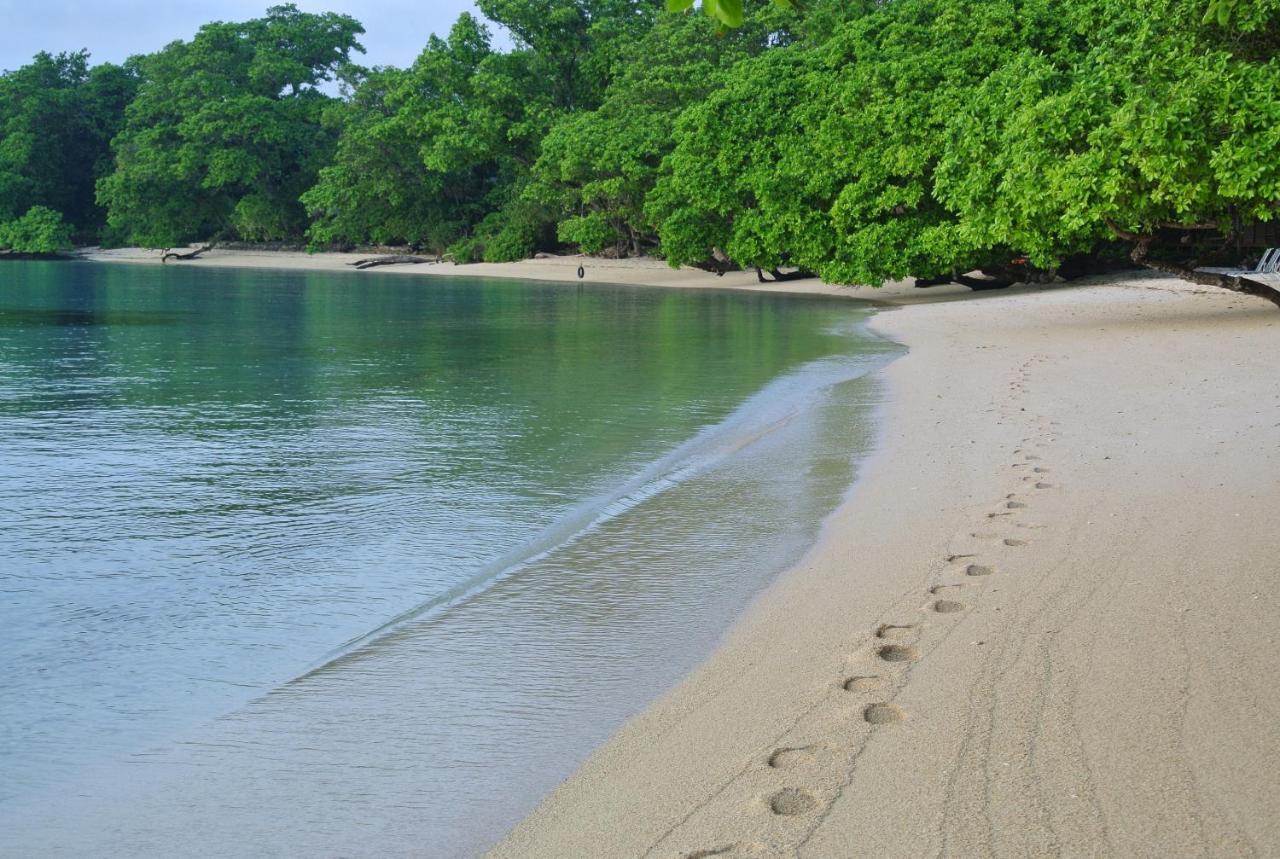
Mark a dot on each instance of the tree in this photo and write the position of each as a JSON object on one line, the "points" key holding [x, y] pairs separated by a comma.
{"points": [[730, 193], [379, 187], [1158, 130], [40, 231], [439, 155], [822, 157], [225, 133], [57, 117], [727, 12], [596, 169]]}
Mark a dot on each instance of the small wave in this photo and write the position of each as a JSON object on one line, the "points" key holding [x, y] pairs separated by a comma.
{"points": [[761, 415]]}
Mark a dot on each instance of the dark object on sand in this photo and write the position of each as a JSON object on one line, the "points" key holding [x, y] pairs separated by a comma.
{"points": [[396, 259], [168, 255]]}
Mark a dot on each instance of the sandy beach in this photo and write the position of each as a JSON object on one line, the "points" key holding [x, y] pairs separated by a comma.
{"points": [[1042, 623]]}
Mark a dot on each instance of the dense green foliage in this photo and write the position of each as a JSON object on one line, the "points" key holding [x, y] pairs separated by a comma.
{"points": [[225, 134], [863, 141], [439, 155], [57, 118], [40, 230]]}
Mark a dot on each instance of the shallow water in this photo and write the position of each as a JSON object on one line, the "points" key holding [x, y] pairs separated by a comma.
{"points": [[327, 564]]}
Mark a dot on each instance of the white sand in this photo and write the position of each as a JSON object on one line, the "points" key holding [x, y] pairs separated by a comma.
{"points": [[1104, 687], [646, 272]]}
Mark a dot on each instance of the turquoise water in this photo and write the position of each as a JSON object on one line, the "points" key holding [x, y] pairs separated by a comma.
{"points": [[349, 564]]}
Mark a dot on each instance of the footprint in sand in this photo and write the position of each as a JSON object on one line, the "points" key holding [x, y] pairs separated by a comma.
{"points": [[883, 714], [1015, 505], [1009, 541], [791, 801], [948, 606], [787, 758], [896, 632], [898, 653], [1040, 470], [863, 683], [978, 570]]}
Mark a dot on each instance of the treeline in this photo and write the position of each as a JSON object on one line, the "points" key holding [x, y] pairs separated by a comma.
{"points": [[861, 140]]}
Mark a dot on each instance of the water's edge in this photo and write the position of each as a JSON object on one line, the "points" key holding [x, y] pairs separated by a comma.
{"points": [[752, 424]]}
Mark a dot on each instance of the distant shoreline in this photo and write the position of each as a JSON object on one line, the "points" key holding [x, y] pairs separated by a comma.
{"points": [[634, 272]]}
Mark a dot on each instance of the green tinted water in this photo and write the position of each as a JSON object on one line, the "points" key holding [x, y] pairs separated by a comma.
{"points": [[475, 523]]}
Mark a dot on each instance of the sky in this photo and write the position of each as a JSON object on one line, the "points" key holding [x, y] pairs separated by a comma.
{"points": [[396, 30]]}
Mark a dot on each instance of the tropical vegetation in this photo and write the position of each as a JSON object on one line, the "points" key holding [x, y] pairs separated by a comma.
{"points": [[861, 141]]}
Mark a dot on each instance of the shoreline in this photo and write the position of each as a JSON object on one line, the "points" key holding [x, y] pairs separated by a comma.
{"points": [[560, 269], [1042, 623]]}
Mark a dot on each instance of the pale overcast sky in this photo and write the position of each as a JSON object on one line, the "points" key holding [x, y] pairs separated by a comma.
{"points": [[396, 30]]}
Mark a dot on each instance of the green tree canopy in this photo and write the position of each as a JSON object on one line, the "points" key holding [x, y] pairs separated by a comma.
{"points": [[57, 118], [439, 155], [40, 230], [597, 168], [225, 133]]}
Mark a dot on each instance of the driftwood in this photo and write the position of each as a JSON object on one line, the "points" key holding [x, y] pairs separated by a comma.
{"points": [[395, 259], [168, 255], [977, 284], [779, 276]]}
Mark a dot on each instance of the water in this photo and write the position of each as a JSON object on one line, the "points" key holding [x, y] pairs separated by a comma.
{"points": [[363, 565]]}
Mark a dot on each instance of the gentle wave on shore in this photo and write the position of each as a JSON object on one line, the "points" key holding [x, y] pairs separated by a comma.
{"points": [[663, 456]]}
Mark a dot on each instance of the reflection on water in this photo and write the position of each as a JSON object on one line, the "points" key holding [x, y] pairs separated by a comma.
{"points": [[217, 479]]}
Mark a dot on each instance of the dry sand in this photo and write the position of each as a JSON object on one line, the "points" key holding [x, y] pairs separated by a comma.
{"points": [[1044, 622], [643, 272]]}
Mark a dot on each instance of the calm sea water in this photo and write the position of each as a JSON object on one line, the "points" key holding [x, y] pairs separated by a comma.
{"points": [[363, 565]]}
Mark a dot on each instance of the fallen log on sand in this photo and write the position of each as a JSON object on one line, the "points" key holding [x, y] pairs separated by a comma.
{"points": [[399, 259]]}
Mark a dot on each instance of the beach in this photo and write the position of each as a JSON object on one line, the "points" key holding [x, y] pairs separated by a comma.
{"points": [[1041, 623]]}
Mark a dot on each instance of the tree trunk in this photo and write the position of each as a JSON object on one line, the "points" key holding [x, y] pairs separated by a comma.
{"points": [[779, 276], [397, 259], [168, 255], [1233, 282]]}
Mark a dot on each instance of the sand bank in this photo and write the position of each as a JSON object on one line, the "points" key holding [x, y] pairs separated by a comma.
{"points": [[1043, 623], [640, 272]]}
